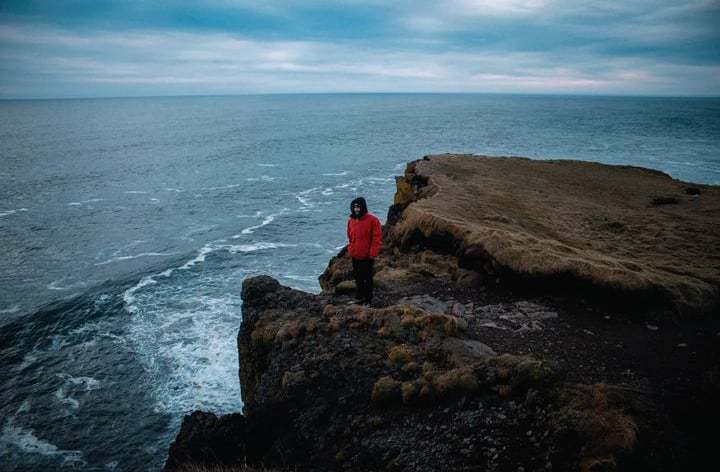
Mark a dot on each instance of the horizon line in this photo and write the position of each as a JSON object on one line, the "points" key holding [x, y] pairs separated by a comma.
{"points": [[259, 94]]}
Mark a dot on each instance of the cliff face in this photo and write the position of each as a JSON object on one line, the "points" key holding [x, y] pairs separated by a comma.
{"points": [[490, 344]]}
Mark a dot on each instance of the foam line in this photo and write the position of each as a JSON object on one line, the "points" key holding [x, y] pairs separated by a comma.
{"points": [[12, 309], [255, 247], [92, 200], [128, 297], [10, 212], [204, 251], [223, 187], [54, 285], [26, 441], [268, 219], [135, 256]]}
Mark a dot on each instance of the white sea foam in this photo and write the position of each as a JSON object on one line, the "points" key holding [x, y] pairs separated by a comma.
{"points": [[303, 198], [304, 278], [66, 399], [135, 256], [223, 187], [57, 343], [75, 385], [24, 407], [10, 212], [87, 383], [264, 178], [128, 296], [337, 173], [188, 346], [136, 192], [327, 191], [24, 440], [268, 165], [310, 190], [177, 190], [255, 247], [185, 338], [12, 309], [56, 285], [379, 179], [268, 219], [131, 244], [249, 230], [202, 253], [29, 359]]}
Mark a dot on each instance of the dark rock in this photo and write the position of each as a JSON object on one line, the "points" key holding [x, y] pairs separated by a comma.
{"points": [[255, 289], [657, 201]]}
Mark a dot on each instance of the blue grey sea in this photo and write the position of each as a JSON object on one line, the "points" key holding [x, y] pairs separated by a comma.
{"points": [[127, 226]]}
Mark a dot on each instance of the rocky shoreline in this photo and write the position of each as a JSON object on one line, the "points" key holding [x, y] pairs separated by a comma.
{"points": [[529, 315]]}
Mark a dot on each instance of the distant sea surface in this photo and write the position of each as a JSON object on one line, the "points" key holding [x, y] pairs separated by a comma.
{"points": [[128, 225]]}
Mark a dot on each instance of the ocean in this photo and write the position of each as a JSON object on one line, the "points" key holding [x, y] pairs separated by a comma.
{"points": [[127, 227]]}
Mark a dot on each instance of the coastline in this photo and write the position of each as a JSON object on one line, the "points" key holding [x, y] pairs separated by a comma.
{"points": [[495, 343]]}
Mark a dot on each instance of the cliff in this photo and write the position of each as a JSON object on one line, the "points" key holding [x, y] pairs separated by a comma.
{"points": [[528, 314]]}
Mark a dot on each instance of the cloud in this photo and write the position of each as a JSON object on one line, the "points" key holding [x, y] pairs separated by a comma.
{"points": [[540, 46]]}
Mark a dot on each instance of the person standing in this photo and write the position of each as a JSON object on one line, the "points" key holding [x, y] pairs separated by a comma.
{"points": [[365, 238]]}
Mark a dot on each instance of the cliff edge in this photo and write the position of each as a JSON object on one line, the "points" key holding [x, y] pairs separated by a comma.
{"points": [[529, 315]]}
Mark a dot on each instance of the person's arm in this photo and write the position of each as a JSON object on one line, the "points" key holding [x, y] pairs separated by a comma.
{"points": [[348, 230], [376, 235]]}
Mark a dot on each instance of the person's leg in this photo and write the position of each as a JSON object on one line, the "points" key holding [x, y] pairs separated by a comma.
{"points": [[365, 280], [358, 276], [369, 280]]}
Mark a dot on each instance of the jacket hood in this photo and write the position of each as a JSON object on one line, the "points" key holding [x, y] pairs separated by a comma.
{"points": [[363, 207]]}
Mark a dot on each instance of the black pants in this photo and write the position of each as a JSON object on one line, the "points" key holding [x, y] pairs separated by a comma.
{"points": [[363, 273]]}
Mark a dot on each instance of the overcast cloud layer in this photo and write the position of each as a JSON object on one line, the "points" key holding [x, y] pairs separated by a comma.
{"points": [[83, 48]]}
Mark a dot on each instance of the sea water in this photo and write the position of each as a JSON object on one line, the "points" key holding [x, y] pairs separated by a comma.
{"points": [[127, 227]]}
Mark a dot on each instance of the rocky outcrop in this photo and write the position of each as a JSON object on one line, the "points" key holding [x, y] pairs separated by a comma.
{"points": [[473, 358]]}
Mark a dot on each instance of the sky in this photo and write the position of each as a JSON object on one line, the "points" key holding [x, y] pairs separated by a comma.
{"points": [[100, 48]]}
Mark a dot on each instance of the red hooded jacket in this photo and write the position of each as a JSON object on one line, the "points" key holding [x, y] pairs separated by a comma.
{"points": [[365, 236]]}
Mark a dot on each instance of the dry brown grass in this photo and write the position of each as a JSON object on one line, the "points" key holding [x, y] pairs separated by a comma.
{"points": [[597, 414], [400, 354], [386, 390], [519, 371], [456, 381], [586, 220]]}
